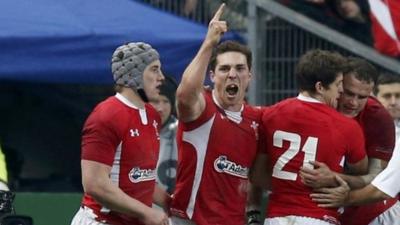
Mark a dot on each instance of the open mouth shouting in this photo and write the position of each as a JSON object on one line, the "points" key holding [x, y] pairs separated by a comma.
{"points": [[232, 90]]}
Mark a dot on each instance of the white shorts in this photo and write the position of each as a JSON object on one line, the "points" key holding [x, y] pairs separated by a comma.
{"points": [[85, 216], [294, 220], [173, 220], [390, 217]]}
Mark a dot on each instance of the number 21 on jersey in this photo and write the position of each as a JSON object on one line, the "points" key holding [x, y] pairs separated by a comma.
{"points": [[309, 148]]}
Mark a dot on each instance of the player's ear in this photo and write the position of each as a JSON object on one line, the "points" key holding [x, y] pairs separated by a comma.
{"points": [[212, 75], [319, 88]]}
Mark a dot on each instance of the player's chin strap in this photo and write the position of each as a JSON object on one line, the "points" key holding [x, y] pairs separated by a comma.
{"points": [[142, 95], [253, 217]]}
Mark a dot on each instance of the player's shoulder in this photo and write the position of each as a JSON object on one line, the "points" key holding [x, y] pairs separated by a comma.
{"points": [[253, 111], [279, 107], [374, 110], [348, 127], [104, 114], [108, 108], [340, 119]]}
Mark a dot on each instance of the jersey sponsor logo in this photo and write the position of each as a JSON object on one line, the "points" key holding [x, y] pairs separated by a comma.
{"points": [[137, 175], [223, 165]]}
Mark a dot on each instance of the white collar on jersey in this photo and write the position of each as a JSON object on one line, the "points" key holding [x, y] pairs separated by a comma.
{"points": [[142, 112], [233, 116], [307, 99]]}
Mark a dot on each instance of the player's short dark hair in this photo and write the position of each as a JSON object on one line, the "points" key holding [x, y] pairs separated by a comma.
{"points": [[230, 46], [318, 66], [361, 69], [386, 78], [118, 88], [168, 89]]}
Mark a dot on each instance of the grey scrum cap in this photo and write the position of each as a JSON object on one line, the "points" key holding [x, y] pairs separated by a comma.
{"points": [[129, 62]]}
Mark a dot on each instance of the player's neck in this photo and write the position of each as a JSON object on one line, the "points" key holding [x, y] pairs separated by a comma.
{"points": [[233, 107], [133, 97], [315, 96]]}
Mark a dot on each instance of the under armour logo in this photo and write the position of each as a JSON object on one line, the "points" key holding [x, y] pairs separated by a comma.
{"points": [[134, 132]]}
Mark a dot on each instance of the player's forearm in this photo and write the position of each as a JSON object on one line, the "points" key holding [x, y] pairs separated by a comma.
{"points": [[354, 182], [96, 183], [254, 202], [254, 197], [366, 195], [260, 174], [113, 198], [192, 81], [375, 166], [161, 198]]}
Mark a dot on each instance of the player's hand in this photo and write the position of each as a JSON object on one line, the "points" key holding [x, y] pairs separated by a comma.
{"points": [[317, 177], [155, 217], [216, 27], [332, 197], [253, 217]]}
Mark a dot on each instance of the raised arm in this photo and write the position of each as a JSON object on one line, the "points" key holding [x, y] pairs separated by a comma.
{"points": [[190, 101]]}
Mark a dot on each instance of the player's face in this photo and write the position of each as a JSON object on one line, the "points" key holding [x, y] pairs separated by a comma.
{"points": [[332, 94], [231, 79], [152, 80], [163, 107], [355, 95], [389, 96]]}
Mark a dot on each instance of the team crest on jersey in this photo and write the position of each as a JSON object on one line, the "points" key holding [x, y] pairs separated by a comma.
{"points": [[155, 125], [137, 175], [255, 125], [223, 165]]}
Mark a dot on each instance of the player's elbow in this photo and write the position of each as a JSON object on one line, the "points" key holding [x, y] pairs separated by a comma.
{"points": [[183, 95], [92, 187], [359, 168]]}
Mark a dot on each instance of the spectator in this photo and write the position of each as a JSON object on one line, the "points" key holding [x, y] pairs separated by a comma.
{"points": [[167, 160], [355, 14], [350, 17], [120, 145], [217, 133], [317, 10]]}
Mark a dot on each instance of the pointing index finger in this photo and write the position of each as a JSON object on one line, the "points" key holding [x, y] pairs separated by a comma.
{"points": [[219, 12]]}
